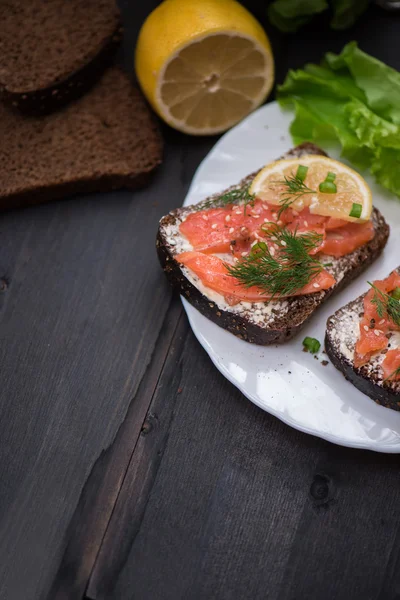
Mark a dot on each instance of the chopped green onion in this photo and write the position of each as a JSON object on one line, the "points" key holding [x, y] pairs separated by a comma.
{"points": [[356, 211], [311, 344], [301, 172], [266, 227], [327, 187], [396, 293], [330, 177], [259, 246]]}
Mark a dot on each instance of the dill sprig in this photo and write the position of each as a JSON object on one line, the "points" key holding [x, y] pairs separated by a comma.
{"points": [[295, 188], [239, 195], [285, 272], [395, 373], [386, 305]]}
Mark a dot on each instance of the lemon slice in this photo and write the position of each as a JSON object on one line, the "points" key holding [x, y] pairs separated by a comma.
{"points": [[203, 64], [351, 202]]}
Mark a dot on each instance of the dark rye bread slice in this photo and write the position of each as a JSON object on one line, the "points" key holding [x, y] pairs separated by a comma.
{"points": [[104, 141], [261, 323], [53, 52], [342, 331]]}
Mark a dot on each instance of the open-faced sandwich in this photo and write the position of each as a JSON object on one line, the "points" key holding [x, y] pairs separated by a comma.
{"points": [[363, 341], [259, 258]]}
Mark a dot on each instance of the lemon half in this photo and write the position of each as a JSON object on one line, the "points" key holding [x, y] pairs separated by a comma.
{"points": [[203, 64], [353, 195]]}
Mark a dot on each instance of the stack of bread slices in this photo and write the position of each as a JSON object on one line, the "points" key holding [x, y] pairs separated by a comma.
{"points": [[71, 120]]}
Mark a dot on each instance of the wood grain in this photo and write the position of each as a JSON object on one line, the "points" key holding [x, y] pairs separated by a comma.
{"points": [[98, 497], [141, 473], [214, 499], [82, 310], [73, 352], [244, 507]]}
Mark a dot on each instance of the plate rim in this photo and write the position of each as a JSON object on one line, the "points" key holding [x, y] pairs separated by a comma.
{"points": [[329, 437]]}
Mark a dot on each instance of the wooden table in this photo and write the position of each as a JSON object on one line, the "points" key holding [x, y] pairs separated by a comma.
{"points": [[129, 467]]}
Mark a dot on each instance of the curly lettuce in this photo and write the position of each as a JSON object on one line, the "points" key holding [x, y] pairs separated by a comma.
{"points": [[352, 98]]}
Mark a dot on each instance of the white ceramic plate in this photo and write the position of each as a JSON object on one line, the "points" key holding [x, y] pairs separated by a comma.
{"points": [[283, 380]]}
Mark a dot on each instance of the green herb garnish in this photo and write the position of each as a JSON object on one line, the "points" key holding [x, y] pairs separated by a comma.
{"points": [[239, 195], [356, 210], [286, 271], [328, 186], [396, 293], [311, 344], [395, 373], [386, 305], [295, 188], [301, 172]]}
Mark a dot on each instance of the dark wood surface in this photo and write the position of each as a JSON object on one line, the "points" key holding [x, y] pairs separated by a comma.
{"points": [[129, 467]]}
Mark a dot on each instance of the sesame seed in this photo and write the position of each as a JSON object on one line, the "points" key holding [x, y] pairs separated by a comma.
{"points": [[295, 213], [214, 226], [316, 285], [243, 229], [272, 251], [273, 238], [244, 253], [283, 243], [227, 218], [256, 216], [253, 243], [279, 223], [265, 207], [377, 332], [305, 224], [238, 212], [205, 217], [266, 220], [273, 214], [231, 230], [381, 322], [366, 328]]}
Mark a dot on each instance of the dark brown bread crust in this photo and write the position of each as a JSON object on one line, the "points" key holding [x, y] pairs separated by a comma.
{"points": [[68, 81], [369, 383], [284, 326], [84, 185], [104, 141]]}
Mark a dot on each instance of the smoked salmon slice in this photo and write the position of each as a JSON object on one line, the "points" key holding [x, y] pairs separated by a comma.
{"points": [[213, 230], [391, 364], [346, 239], [213, 273], [373, 326]]}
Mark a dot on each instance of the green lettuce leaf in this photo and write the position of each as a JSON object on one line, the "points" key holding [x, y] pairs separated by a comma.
{"points": [[386, 169], [370, 129], [337, 101], [346, 12], [380, 83], [290, 15]]}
